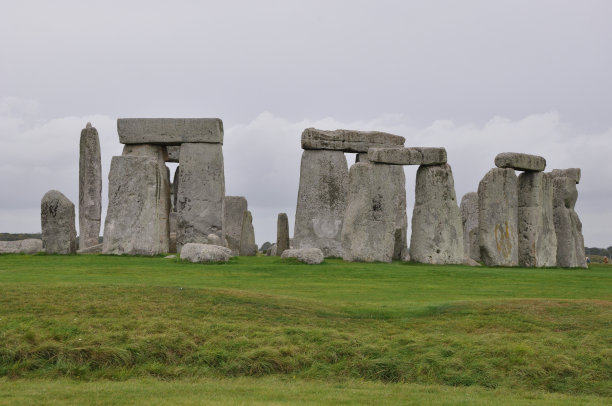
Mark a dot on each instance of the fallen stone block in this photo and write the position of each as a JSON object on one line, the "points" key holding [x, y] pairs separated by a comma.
{"points": [[27, 246], [520, 162], [310, 256], [348, 140], [169, 131], [194, 252], [94, 249]]}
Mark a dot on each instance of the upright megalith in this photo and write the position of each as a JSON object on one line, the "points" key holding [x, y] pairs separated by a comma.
{"points": [[375, 221], [568, 227], [235, 207], [321, 201], [90, 187], [282, 233], [201, 193], [537, 241], [498, 217], [469, 219], [437, 231], [57, 221], [247, 236], [137, 220]]}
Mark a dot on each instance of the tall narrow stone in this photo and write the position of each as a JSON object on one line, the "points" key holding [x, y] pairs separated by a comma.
{"points": [[201, 193], [282, 233], [235, 206], [137, 219], [437, 232], [374, 226], [536, 229], [469, 219], [90, 187], [175, 186], [321, 201], [247, 236], [57, 221], [568, 227], [498, 217]]}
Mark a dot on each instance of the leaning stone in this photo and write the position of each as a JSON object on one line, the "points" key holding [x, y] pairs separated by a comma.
{"points": [[520, 162], [201, 193], [235, 206], [174, 153], [137, 219], [321, 201], [568, 227], [194, 252], [90, 187], [282, 233], [310, 256], [498, 218], [408, 156], [57, 220], [469, 219], [572, 173], [437, 232], [169, 131], [27, 246], [94, 249], [247, 236], [375, 222], [348, 140]]}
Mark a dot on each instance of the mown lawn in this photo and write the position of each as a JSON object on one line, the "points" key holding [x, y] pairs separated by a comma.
{"points": [[119, 328]]}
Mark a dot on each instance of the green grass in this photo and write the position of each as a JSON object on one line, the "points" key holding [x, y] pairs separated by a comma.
{"points": [[78, 323]]}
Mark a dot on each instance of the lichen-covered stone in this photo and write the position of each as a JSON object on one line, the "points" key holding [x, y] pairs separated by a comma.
{"points": [[247, 236], [90, 187], [235, 206], [572, 173], [282, 233], [310, 256], [498, 217], [469, 219], [348, 140], [194, 252], [169, 131], [437, 231], [568, 227], [520, 162], [321, 201], [57, 220]]}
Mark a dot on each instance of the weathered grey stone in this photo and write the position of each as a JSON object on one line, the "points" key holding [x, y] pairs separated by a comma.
{"points": [[437, 231], [57, 220], [194, 252], [568, 227], [408, 156], [169, 131], [375, 222], [137, 219], [470, 262], [310, 256], [174, 153], [572, 173], [536, 230], [201, 193], [361, 157], [214, 239], [520, 162], [282, 233], [235, 206], [247, 236], [94, 249], [321, 201], [27, 246], [498, 217], [175, 187], [469, 219], [90, 187], [271, 251], [348, 140]]}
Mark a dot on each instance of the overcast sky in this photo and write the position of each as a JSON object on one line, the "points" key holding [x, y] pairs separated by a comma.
{"points": [[477, 77]]}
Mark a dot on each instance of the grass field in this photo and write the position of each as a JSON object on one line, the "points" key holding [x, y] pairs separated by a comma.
{"points": [[126, 330]]}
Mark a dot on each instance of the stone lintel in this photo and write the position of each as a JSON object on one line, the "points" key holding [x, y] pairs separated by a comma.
{"points": [[169, 131], [408, 156], [520, 162], [348, 140]]}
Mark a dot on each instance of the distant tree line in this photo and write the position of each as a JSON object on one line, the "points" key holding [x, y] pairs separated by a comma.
{"points": [[604, 252]]}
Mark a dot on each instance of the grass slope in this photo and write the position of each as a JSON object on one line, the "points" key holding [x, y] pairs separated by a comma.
{"points": [[124, 318]]}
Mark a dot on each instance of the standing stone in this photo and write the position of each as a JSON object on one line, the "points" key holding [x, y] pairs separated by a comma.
{"points": [[235, 206], [469, 219], [247, 236], [374, 226], [201, 193], [57, 221], [568, 227], [175, 186], [437, 232], [137, 219], [536, 230], [498, 217], [282, 233], [321, 201], [90, 187]]}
